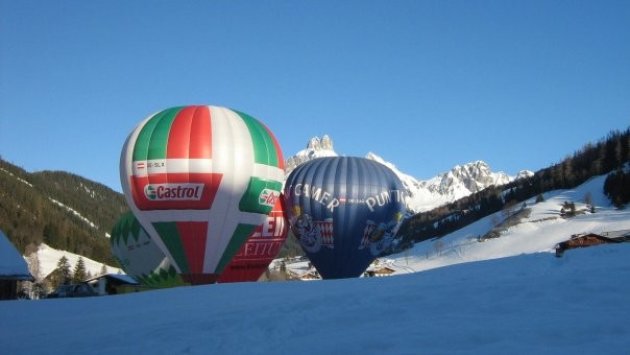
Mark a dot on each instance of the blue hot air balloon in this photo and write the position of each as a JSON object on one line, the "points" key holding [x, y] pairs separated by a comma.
{"points": [[345, 211]]}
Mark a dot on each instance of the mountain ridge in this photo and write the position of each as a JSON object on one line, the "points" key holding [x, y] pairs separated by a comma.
{"points": [[461, 181], [58, 208]]}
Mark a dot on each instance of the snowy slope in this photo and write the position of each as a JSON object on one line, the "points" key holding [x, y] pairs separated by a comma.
{"points": [[44, 261], [539, 232]]}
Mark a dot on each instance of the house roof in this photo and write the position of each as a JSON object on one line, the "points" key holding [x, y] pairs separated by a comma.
{"points": [[122, 278], [12, 264]]}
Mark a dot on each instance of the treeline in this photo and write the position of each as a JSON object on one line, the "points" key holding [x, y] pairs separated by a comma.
{"points": [[29, 216], [608, 155], [97, 203], [617, 186]]}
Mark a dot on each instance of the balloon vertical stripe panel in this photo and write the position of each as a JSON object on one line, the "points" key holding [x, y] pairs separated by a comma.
{"points": [[154, 136], [193, 236], [265, 148], [190, 129], [201, 164], [145, 136], [169, 235]]}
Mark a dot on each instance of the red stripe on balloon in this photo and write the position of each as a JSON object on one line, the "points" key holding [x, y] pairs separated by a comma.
{"points": [[190, 136], [193, 236], [201, 134], [179, 135]]}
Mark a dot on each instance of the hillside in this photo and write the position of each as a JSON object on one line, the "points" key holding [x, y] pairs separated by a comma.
{"points": [[531, 227], [63, 210], [610, 156]]}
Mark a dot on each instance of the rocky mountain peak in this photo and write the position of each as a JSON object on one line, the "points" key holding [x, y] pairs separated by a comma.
{"points": [[315, 148], [323, 143], [460, 181]]}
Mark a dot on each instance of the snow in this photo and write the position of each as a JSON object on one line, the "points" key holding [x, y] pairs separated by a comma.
{"points": [[74, 212], [11, 262], [539, 232], [18, 178], [508, 295], [48, 258], [520, 305]]}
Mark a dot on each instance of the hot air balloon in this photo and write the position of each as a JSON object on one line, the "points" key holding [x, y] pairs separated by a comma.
{"points": [[252, 260], [201, 179], [345, 211], [139, 256]]}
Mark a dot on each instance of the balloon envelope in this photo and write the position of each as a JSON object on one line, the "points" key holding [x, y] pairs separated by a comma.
{"points": [[201, 179], [254, 257], [345, 212], [139, 256]]}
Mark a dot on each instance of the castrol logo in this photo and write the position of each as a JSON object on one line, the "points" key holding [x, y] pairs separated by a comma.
{"points": [[173, 192]]}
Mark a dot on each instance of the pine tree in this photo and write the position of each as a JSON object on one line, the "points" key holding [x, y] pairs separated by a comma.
{"points": [[79, 274], [63, 266]]}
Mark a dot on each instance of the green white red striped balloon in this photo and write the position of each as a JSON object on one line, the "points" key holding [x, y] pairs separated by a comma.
{"points": [[201, 178], [139, 256]]}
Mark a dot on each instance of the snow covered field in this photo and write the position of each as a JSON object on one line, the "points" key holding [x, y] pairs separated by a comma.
{"points": [[520, 305], [518, 298]]}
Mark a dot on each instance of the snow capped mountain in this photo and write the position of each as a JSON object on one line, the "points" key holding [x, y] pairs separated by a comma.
{"points": [[316, 148], [460, 181]]}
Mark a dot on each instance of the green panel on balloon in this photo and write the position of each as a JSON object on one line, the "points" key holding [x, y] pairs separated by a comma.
{"points": [[152, 140], [169, 235], [260, 196], [264, 148], [241, 233]]}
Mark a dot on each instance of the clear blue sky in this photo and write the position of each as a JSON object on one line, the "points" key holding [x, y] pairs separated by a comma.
{"points": [[425, 84]]}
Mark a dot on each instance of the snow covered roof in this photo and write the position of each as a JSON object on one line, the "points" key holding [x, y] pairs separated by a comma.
{"points": [[12, 264], [120, 277]]}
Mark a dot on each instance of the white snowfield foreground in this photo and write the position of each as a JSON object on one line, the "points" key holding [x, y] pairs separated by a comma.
{"points": [[526, 304]]}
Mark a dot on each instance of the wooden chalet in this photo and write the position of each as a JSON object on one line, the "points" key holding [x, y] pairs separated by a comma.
{"points": [[591, 239], [111, 284], [379, 272]]}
